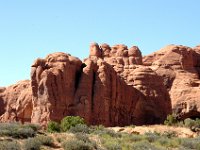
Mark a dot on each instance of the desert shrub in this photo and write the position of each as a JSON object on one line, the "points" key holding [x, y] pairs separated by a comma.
{"points": [[143, 145], [80, 128], [193, 143], [45, 140], [136, 138], [16, 130], [110, 143], [171, 120], [103, 131], [9, 145], [75, 144], [59, 139], [152, 136], [82, 137], [113, 146], [168, 143], [189, 122], [53, 127], [32, 144], [71, 121], [169, 134], [36, 142], [35, 127], [194, 125], [23, 133], [97, 127], [180, 123]]}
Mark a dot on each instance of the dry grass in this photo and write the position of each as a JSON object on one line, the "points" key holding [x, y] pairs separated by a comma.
{"points": [[182, 132]]}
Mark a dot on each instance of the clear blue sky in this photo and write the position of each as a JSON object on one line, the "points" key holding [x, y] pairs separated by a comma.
{"points": [[34, 28]]}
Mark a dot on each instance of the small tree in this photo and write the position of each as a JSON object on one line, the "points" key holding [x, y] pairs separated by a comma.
{"points": [[71, 121], [171, 120], [53, 127]]}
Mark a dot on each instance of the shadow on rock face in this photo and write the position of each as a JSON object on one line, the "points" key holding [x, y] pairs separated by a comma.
{"points": [[2, 106]]}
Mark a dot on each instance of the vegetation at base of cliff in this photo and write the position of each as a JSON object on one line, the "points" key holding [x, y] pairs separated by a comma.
{"points": [[65, 125], [17, 130], [194, 125], [53, 127], [79, 136]]}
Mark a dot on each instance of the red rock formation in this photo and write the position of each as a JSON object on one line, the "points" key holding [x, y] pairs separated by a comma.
{"points": [[179, 66], [63, 85], [114, 86], [17, 102], [156, 104]]}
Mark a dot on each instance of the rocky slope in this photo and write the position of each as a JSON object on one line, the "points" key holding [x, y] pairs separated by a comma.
{"points": [[113, 86]]}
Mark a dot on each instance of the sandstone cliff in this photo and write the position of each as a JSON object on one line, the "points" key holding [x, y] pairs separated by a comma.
{"points": [[179, 67], [114, 86]]}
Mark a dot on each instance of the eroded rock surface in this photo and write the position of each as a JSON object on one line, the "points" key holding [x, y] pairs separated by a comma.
{"points": [[114, 86], [179, 67], [16, 102], [62, 85]]}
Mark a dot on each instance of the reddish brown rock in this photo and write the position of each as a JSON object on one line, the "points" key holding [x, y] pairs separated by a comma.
{"points": [[95, 51], [17, 102], [112, 87], [101, 89], [66, 86], [105, 50], [179, 66], [155, 104], [2, 102]]}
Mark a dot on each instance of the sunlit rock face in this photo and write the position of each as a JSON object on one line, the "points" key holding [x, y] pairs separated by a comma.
{"points": [[64, 85], [114, 86], [179, 67]]}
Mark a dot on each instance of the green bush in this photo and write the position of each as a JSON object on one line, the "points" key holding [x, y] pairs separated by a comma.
{"points": [[80, 128], [171, 120], [194, 125], [9, 145], [71, 121], [53, 127], [189, 122]]}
